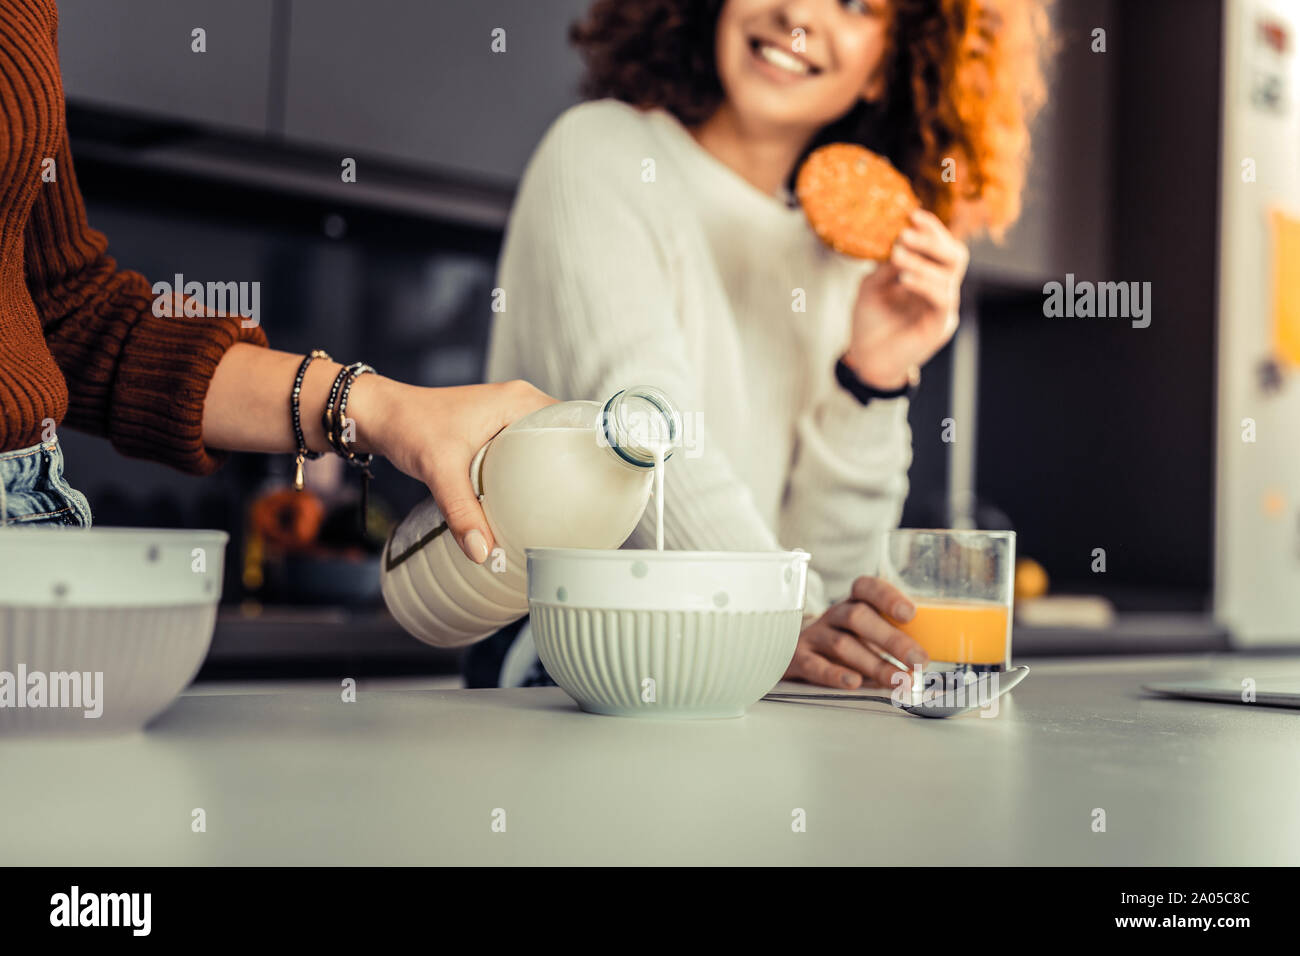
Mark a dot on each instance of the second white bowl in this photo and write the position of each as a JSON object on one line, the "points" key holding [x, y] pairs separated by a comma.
{"points": [[102, 628], [666, 633]]}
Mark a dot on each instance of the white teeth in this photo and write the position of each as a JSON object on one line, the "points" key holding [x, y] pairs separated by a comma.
{"points": [[780, 58]]}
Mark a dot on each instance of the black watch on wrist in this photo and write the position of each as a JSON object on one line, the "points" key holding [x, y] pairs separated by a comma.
{"points": [[865, 393]]}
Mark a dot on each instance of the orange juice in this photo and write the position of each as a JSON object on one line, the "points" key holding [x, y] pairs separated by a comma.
{"points": [[960, 632]]}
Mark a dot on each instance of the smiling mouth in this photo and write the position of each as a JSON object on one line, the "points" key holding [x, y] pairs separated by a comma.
{"points": [[781, 59]]}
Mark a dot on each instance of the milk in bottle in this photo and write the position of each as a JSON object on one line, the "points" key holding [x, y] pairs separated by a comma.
{"points": [[570, 475]]}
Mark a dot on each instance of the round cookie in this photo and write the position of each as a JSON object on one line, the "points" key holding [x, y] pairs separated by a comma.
{"points": [[855, 200]]}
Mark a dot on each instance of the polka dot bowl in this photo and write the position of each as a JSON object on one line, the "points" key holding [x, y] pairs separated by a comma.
{"points": [[666, 634], [102, 628]]}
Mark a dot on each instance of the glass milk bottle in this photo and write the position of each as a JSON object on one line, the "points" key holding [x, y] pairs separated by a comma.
{"points": [[570, 475]]}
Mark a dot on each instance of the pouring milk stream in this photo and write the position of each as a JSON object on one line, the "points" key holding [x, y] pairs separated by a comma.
{"points": [[570, 475]]}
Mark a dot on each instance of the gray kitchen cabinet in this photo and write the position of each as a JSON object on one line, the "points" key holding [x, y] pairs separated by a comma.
{"points": [[419, 83], [137, 56]]}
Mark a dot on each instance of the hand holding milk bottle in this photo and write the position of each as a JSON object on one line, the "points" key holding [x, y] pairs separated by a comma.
{"points": [[570, 475]]}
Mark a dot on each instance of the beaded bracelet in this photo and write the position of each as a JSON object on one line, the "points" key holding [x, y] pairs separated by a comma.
{"points": [[333, 421], [337, 436], [338, 440], [327, 416], [295, 408]]}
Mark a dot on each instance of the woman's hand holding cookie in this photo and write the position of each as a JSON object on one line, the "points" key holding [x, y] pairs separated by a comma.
{"points": [[906, 309]]}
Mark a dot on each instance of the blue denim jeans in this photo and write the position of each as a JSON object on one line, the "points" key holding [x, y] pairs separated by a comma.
{"points": [[33, 490]]}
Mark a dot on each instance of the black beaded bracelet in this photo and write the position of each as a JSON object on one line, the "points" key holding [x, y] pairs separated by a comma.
{"points": [[295, 411], [338, 438], [333, 421], [327, 416], [339, 441]]}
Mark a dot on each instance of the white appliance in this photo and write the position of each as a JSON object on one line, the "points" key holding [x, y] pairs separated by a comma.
{"points": [[1257, 508]]}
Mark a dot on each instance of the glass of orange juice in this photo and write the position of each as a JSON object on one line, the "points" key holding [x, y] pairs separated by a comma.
{"points": [[961, 583]]}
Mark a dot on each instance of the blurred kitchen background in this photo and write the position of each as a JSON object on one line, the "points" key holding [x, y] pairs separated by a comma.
{"points": [[1078, 433]]}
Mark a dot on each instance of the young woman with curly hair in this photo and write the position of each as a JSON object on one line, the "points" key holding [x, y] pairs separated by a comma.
{"points": [[655, 240]]}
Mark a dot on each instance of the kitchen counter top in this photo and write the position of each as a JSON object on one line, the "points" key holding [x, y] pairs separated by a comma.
{"points": [[420, 776]]}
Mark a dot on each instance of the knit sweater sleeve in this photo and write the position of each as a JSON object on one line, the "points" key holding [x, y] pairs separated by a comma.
{"points": [[847, 483], [136, 378], [590, 310]]}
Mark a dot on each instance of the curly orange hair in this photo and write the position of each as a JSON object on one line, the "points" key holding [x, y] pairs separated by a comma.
{"points": [[974, 86], [963, 80]]}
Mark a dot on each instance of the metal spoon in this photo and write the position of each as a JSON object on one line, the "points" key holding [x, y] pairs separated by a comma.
{"points": [[934, 702]]}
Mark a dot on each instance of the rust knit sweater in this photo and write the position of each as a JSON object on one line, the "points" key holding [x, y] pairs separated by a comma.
{"points": [[79, 342]]}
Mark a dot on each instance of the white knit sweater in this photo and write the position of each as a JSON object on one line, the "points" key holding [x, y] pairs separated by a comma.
{"points": [[634, 257]]}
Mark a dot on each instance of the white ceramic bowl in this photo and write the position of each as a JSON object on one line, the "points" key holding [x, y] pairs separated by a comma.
{"points": [[666, 633], [130, 611]]}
